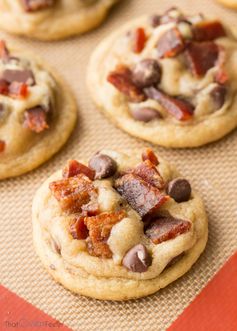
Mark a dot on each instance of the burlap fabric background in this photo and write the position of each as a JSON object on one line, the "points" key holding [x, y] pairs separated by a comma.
{"points": [[212, 169]]}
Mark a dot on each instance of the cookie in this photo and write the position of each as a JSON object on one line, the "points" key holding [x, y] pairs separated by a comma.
{"points": [[37, 112], [170, 79], [52, 19], [229, 3], [118, 227]]}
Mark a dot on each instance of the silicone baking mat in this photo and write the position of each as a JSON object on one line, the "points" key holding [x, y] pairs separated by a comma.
{"points": [[212, 170]]}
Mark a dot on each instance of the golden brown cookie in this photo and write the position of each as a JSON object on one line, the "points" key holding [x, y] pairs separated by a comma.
{"points": [[170, 79], [37, 112], [119, 227], [52, 19]]}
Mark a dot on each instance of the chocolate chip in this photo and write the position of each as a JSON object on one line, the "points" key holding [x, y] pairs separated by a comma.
{"points": [[103, 165], [145, 114], [137, 259], [20, 76], [155, 20], [175, 260], [218, 95], [179, 189], [147, 73]]}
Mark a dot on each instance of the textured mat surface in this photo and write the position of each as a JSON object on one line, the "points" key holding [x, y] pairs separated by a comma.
{"points": [[212, 169]]}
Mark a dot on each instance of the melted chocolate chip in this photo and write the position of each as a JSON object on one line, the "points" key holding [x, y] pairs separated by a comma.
{"points": [[179, 189], [155, 20], [20, 76], [103, 165], [147, 73], [145, 114], [137, 259], [218, 95]]}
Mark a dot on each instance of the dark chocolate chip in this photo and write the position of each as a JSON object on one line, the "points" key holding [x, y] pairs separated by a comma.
{"points": [[137, 259], [145, 114], [20, 76], [218, 95], [175, 260], [103, 165], [147, 73], [179, 189]]}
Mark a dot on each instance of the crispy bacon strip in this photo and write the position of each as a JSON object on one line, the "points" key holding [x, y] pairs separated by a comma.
{"points": [[121, 78], [75, 194], [148, 154], [182, 110], [4, 89], [139, 40], [34, 5], [201, 57], [141, 196], [36, 119], [99, 230], [208, 30], [2, 146], [170, 44], [149, 173], [78, 229], [18, 90], [166, 228], [75, 168]]}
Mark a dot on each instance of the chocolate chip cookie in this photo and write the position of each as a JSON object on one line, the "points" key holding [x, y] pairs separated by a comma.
{"points": [[119, 226], [169, 79], [52, 19], [37, 112]]}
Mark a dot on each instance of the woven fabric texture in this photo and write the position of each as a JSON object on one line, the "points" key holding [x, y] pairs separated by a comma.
{"points": [[212, 170]]}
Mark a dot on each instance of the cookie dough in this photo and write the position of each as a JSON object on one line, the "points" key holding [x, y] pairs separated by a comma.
{"points": [[52, 19], [119, 227], [170, 79], [37, 112]]}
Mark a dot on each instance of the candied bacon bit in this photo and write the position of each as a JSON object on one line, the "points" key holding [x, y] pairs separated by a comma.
{"points": [[139, 40], [149, 173], [99, 230], [18, 90], [4, 87], [35, 119], [166, 228], [75, 194], [78, 229], [201, 57], [121, 78], [182, 110], [140, 195], [148, 154], [4, 53], [210, 30], [75, 168], [2, 146], [170, 44], [221, 76]]}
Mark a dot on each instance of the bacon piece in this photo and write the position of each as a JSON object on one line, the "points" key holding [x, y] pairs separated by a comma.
{"points": [[170, 44], [149, 173], [78, 229], [148, 154], [75, 168], [208, 30], [201, 57], [139, 40], [221, 76], [18, 90], [4, 87], [182, 110], [2, 145], [166, 228], [121, 78], [140, 195], [99, 230], [4, 52], [20, 76], [75, 194], [34, 5], [35, 119]]}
